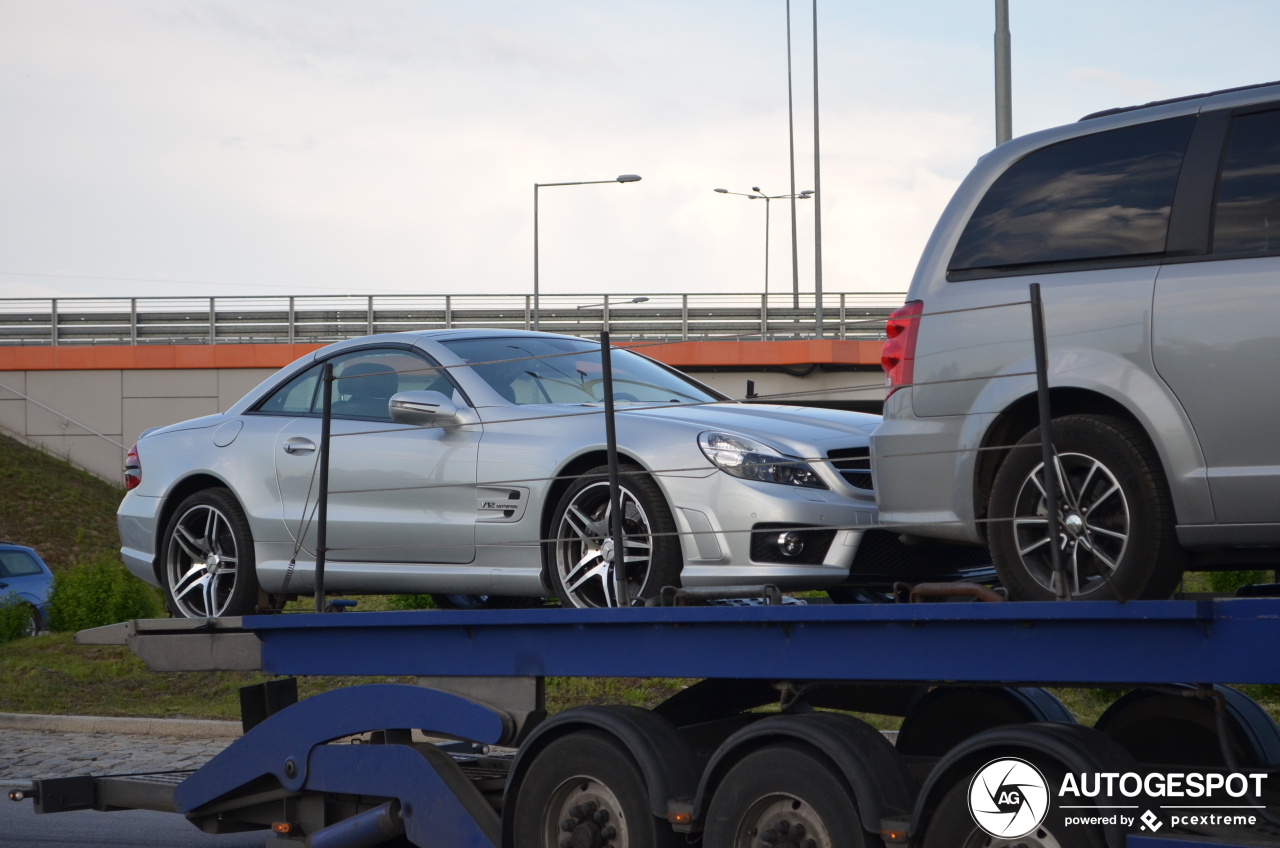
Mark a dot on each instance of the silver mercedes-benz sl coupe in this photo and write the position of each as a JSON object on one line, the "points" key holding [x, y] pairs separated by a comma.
{"points": [[471, 465]]}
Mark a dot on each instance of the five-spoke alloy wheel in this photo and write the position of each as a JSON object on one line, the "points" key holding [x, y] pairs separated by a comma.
{"points": [[582, 553], [1115, 515], [208, 561]]}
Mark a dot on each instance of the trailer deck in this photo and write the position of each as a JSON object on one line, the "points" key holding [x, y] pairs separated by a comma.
{"points": [[480, 680]]}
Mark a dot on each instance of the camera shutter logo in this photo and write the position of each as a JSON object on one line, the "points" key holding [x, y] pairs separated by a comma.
{"points": [[1008, 798]]}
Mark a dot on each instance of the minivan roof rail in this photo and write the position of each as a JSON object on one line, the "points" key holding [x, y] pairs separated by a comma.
{"points": [[1120, 109]]}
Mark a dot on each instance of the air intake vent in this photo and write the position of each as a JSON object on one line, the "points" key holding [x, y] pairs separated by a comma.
{"points": [[854, 465]]}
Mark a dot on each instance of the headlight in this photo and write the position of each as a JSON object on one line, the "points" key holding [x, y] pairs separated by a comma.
{"points": [[751, 460]]}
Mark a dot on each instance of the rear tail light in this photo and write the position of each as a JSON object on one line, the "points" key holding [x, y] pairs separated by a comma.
{"points": [[132, 469], [898, 356]]}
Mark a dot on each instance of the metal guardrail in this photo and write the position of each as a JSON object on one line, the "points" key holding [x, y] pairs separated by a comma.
{"points": [[325, 318]]}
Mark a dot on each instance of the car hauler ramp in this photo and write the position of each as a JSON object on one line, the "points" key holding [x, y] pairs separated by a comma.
{"points": [[964, 675]]}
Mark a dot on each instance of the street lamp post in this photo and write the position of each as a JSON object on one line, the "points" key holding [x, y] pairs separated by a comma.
{"points": [[791, 136], [623, 178], [759, 195], [817, 186]]}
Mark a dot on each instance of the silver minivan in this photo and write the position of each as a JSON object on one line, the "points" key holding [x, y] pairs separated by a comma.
{"points": [[1154, 232]]}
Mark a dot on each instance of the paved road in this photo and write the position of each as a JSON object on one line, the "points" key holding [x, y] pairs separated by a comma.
{"points": [[27, 754], [20, 828]]}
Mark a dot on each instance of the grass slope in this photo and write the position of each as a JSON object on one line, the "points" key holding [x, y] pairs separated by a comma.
{"points": [[48, 504]]}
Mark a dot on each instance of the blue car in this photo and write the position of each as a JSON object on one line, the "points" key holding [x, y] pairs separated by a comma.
{"points": [[23, 573]]}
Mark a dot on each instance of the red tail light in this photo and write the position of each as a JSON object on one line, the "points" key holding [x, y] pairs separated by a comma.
{"points": [[132, 469], [898, 356]]}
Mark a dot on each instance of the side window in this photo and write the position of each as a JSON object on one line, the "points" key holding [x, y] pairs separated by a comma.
{"points": [[17, 564], [365, 380], [1095, 197], [1246, 217], [295, 396]]}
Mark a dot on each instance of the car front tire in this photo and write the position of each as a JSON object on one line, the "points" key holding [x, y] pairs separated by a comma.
{"points": [[580, 552], [1116, 520]]}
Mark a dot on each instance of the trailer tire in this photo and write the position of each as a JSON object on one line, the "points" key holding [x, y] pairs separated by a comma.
{"points": [[784, 785], [581, 768], [952, 825]]}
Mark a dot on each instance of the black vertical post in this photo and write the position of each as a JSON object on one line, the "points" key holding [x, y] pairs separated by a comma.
{"points": [[1046, 442], [322, 501], [621, 590]]}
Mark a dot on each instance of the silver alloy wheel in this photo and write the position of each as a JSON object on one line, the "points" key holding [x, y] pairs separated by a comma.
{"points": [[584, 549], [780, 820], [201, 562], [1094, 523], [583, 811]]}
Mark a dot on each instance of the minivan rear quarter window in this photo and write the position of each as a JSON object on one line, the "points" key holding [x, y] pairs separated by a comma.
{"points": [[1094, 197], [1246, 217]]}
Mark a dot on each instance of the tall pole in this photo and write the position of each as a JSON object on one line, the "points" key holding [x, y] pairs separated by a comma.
{"points": [[621, 591], [1004, 75], [817, 188], [791, 134], [322, 499], [1062, 592], [535, 257], [766, 244]]}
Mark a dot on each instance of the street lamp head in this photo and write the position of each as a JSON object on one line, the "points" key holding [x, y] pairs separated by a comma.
{"points": [[629, 178], [722, 190], [805, 194], [757, 189], [639, 299]]}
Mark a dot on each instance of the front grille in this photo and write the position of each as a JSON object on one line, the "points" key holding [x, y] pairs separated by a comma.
{"points": [[764, 547], [854, 465]]}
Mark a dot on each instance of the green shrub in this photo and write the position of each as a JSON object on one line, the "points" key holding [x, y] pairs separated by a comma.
{"points": [[410, 602], [1229, 581], [15, 614], [97, 592]]}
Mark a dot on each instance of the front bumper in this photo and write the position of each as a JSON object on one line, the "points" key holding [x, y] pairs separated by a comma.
{"points": [[716, 516]]}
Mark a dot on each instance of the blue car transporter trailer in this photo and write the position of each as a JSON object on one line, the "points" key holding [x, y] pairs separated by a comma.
{"points": [[762, 753]]}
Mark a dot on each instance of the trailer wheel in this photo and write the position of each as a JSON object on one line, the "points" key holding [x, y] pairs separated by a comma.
{"points": [[786, 795], [952, 825], [585, 791]]}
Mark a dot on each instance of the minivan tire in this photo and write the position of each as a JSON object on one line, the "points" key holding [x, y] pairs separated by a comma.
{"points": [[1133, 527]]}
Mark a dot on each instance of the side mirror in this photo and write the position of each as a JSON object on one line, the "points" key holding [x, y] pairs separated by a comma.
{"points": [[422, 409]]}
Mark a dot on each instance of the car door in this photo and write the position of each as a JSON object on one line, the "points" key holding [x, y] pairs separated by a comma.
{"points": [[397, 493], [1216, 327]]}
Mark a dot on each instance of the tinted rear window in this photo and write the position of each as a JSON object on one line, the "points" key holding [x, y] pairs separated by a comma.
{"points": [[18, 564], [1247, 216], [1094, 197]]}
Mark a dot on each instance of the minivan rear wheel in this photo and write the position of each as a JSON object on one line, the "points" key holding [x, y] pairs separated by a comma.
{"points": [[1115, 516]]}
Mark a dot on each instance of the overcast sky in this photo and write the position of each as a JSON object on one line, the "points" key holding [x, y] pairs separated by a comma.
{"points": [[287, 147]]}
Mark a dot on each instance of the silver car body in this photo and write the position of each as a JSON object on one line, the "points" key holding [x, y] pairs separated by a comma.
{"points": [[430, 513], [1186, 346]]}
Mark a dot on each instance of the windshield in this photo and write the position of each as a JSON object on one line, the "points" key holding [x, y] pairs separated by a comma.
{"points": [[570, 372]]}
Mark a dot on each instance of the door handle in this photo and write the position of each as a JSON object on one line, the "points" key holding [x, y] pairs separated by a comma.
{"points": [[298, 445]]}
